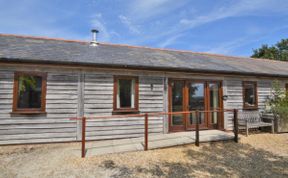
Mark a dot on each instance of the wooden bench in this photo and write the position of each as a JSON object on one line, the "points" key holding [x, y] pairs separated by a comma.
{"points": [[253, 119]]}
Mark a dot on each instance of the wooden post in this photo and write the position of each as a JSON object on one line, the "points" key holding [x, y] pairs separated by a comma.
{"points": [[146, 132], [197, 128], [83, 136], [235, 125]]}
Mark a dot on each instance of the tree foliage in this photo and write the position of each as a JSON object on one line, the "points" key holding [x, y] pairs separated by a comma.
{"points": [[279, 51], [27, 81]]}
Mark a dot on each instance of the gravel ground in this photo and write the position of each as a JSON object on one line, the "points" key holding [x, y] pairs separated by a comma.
{"points": [[259, 155]]}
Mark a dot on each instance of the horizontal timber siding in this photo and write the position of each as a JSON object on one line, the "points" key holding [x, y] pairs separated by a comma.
{"points": [[233, 89], [98, 129], [98, 94], [151, 90], [98, 101], [61, 103]]}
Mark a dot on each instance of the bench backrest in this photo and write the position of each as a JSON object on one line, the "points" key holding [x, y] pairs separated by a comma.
{"points": [[249, 116]]}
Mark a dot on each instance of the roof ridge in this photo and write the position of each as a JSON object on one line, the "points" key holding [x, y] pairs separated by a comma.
{"points": [[134, 46], [44, 38]]}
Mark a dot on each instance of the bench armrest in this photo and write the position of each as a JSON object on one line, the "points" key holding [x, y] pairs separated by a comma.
{"points": [[268, 118]]}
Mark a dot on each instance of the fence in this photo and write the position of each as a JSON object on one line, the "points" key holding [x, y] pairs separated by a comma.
{"points": [[146, 124]]}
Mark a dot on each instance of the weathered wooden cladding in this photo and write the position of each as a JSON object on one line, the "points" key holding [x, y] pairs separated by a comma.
{"points": [[264, 91], [151, 91], [98, 94], [61, 103], [233, 89], [6, 94], [122, 127], [74, 93], [99, 102]]}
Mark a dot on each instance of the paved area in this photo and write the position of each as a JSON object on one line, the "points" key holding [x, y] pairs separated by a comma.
{"points": [[155, 141]]}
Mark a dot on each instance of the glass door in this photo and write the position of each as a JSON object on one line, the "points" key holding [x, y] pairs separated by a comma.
{"points": [[197, 101], [177, 122], [214, 104], [186, 95]]}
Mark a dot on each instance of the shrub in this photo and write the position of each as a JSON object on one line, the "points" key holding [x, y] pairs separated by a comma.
{"points": [[279, 101]]}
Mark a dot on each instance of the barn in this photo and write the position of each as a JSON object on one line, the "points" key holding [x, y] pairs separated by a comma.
{"points": [[45, 81]]}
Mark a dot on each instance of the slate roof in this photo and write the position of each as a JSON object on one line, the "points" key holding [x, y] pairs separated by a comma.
{"points": [[15, 48]]}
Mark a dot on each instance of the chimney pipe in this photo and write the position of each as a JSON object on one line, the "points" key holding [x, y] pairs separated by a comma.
{"points": [[94, 37]]}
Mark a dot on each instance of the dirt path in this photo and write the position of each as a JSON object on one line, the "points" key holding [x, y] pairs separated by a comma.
{"points": [[260, 155]]}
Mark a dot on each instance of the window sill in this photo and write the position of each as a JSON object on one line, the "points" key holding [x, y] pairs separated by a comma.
{"points": [[250, 108], [28, 113], [131, 111]]}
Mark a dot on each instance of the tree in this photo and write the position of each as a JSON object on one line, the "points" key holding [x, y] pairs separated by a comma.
{"points": [[275, 52]]}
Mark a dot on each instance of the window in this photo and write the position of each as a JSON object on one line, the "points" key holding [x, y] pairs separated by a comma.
{"points": [[125, 94], [29, 93], [250, 100]]}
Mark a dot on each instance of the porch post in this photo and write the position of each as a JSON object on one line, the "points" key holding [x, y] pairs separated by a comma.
{"points": [[146, 132], [83, 136], [235, 125], [197, 128]]}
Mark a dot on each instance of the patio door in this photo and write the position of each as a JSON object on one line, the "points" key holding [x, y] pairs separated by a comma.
{"points": [[189, 95], [177, 104], [214, 92], [197, 100]]}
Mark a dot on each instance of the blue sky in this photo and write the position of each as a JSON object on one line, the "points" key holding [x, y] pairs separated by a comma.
{"points": [[231, 27]]}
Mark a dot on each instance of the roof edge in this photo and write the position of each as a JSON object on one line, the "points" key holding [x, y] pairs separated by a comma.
{"points": [[79, 64], [44, 38]]}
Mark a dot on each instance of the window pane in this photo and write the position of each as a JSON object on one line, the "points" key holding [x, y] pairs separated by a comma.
{"points": [[196, 101], [126, 93], [177, 102], [214, 101], [29, 92], [249, 95]]}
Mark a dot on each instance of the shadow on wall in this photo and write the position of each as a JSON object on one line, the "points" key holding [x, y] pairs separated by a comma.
{"points": [[216, 159]]}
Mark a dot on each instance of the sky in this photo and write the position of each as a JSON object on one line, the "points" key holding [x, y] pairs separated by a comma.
{"points": [[229, 27]]}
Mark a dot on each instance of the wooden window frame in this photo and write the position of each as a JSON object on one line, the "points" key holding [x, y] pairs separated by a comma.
{"points": [[42, 110], [256, 95], [136, 98]]}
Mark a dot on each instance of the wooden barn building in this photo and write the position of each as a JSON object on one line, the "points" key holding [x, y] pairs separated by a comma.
{"points": [[44, 82]]}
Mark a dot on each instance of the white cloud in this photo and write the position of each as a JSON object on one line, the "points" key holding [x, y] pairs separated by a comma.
{"points": [[127, 22], [240, 8], [98, 23], [150, 5], [229, 47], [19, 17], [169, 41], [145, 9], [98, 15]]}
